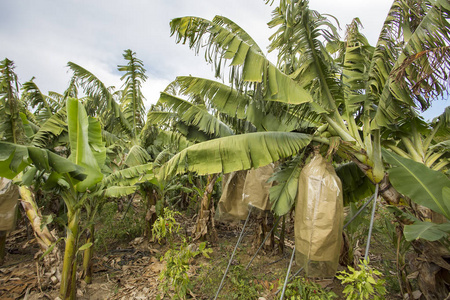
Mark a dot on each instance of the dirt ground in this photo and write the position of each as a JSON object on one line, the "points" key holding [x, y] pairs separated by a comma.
{"points": [[131, 270]]}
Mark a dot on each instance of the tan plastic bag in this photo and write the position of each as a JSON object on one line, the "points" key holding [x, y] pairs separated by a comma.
{"points": [[239, 189], [318, 219], [256, 188], [9, 194], [231, 207]]}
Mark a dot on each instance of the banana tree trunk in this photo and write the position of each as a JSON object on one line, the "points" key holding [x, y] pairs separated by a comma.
{"points": [[45, 238], [282, 235], [204, 228], [68, 287], [88, 254], [265, 220], [388, 192], [151, 215]]}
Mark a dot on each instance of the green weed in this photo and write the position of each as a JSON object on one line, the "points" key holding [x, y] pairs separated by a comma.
{"points": [[175, 274], [362, 283], [304, 288], [242, 285], [118, 227]]}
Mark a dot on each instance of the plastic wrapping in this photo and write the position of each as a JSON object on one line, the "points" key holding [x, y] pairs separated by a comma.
{"points": [[239, 189], [231, 207], [256, 188], [9, 194], [318, 219]]}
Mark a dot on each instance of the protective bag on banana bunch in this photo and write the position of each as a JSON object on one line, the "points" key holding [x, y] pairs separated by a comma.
{"points": [[241, 188], [256, 188], [231, 207], [318, 219], [9, 194]]}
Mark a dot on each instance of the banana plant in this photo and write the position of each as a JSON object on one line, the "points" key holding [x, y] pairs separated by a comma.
{"points": [[18, 125], [355, 116], [82, 131], [260, 116], [122, 112], [77, 174], [197, 123], [359, 92]]}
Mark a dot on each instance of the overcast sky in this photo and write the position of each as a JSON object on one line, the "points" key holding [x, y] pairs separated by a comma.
{"points": [[41, 36]]}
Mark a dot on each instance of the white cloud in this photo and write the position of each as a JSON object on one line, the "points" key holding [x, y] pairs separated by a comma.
{"points": [[371, 13], [152, 88]]}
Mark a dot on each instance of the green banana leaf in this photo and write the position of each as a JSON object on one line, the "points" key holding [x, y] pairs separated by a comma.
{"points": [[195, 115], [130, 176], [421, 184], [233, 153], [137, 156], [120, 191], [355, 185], [14, 158], [282, 195], [226, 45], [96, 142], [81, 153], [426, 230]]}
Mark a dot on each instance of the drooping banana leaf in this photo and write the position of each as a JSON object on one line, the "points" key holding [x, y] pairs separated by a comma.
{"points": [[161, 118], [406, 76], [96, 89], [110, 138], [14, 158], [192, 133], [120, 191], [130, 176], [51, 129], [126, 182], [224, 98], [421, 184], [266, 116], [236, 29], [283, 195], [137, 156], [426, 230], [195, 115], [355, 184], [235, 153], [172, 139], [162, 157], [43, 106], [247, 62]]}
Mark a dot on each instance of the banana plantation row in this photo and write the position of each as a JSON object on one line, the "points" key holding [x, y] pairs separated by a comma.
{"points": [[342, 98]]}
